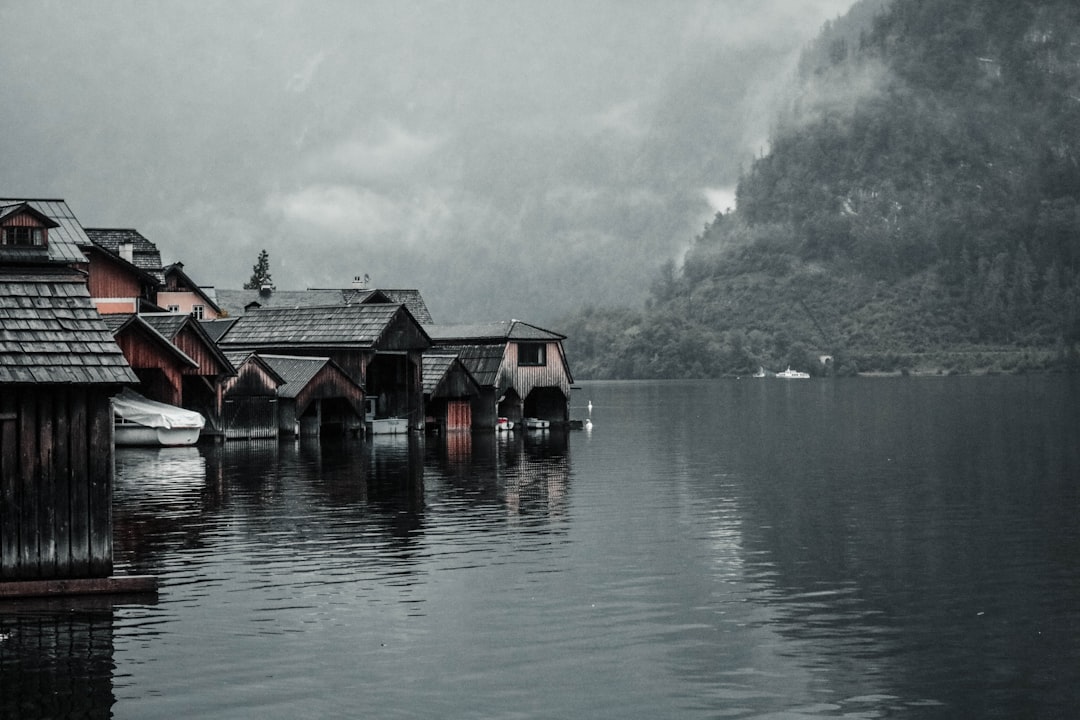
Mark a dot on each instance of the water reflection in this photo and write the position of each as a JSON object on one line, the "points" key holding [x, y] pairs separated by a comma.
{"points": [[56, 658]]}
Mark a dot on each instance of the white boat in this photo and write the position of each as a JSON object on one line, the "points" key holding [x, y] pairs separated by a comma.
{"points": [[792, 374], [389, 426], [760, 373], [139, 421], [504, 425], [537, 424]]}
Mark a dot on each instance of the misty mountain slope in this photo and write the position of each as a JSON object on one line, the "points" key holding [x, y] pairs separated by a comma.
{"points": [[918, 209]]}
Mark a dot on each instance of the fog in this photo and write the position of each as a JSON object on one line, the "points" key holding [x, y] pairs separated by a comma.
{"points": [[507, 158]]}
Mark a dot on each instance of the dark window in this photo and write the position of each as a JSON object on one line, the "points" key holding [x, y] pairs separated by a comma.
{"points": [[24, 236], [532, 354], [197, 312]]}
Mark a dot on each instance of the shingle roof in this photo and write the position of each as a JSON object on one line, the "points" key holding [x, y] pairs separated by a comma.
{"points": [[120, 322], [336, 325], [171, 324], [65, 240], [50, 332], [296, 371], [482, 361], [435, 368], [145, 254], [239, 357], [489, 332], [235, 301], [216, 328]]}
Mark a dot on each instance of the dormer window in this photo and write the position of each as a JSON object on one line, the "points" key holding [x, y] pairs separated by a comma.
{"points": [[18, 236]]}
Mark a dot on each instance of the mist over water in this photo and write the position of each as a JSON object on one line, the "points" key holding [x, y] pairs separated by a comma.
{"points": [[560, 151]]}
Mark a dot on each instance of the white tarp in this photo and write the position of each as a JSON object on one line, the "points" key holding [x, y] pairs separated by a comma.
{"points": [[133, 407]]}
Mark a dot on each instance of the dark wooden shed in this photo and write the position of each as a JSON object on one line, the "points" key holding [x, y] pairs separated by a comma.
{"points": [[251, 398], [449, 393], [378, 345], [316, 395], [58, 368], [521, 368]]}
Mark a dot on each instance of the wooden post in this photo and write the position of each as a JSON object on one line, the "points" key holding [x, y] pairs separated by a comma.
{"points": [[9, 484]]}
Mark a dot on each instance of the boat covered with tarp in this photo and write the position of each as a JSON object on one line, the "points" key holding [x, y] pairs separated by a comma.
{"points": [[140, 421]]}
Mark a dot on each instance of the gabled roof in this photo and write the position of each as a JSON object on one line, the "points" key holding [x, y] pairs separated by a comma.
{"points": [[171, 325], [216, 328], [67, 238], [489, 332], [297, 371], [411, 299], [435, 368], [119, 323], [176, 270], [25, 207], [482, 361], [239, 357], [237, 302], [352, 326], [145, 254], [50, 331]]}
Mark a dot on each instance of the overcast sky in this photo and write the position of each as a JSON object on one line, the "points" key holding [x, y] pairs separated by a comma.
{"points": [[508, 158]]}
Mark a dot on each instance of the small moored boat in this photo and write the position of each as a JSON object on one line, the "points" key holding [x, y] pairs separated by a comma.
{"points": [[139, 421], [792, 374], [537, 424]]}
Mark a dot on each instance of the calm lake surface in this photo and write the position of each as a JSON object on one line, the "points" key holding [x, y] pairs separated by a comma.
{"points": [[863, 548]]}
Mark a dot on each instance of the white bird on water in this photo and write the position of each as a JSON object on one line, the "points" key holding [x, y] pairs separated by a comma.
{"points": [[590, 407], [588, 424]]}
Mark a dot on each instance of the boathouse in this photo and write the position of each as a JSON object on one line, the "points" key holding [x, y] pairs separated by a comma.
{"points": [[59, 366], [176, 361], [250, 408], [317, 397], [449, 393], [379, 346], [521, 368]]}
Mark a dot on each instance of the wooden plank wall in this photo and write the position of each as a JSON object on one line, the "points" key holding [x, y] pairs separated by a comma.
{"points": [[55, 483]]}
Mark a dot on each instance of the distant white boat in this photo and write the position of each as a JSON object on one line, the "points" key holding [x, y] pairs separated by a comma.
{"points": [[504, 425], [389, 426], [792, 374], [537, 424], [139, 421], [760, 373]]}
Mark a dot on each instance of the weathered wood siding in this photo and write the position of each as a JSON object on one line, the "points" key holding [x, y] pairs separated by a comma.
{"points": [[55, 483], [524, 378], [250, 403], [107, 279], [160, 371]]}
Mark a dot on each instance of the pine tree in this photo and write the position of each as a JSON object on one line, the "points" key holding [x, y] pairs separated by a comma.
{"points": [[260, 273]]}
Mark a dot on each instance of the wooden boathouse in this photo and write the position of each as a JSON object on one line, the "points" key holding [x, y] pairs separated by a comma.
{"points": [[379, 346], [449, 393], [521, 369], [59, 366]]}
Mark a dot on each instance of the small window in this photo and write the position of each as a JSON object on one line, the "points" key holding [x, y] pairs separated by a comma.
{"points": [[24, 236], [173, 308], [197, 312], [532, 354]]}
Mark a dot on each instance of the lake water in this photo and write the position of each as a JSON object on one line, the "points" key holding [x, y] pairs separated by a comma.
{"points": [[862, 548]]}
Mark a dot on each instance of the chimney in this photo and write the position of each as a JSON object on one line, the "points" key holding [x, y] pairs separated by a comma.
{"points": [[360, 282], [127, 251]]}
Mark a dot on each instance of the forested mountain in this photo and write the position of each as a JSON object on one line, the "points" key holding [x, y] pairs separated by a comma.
{"points": [[918, 210]]}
